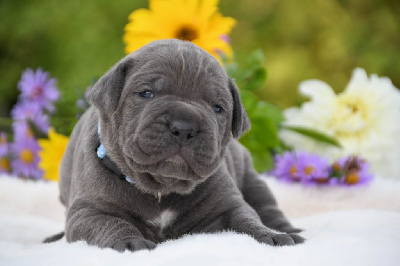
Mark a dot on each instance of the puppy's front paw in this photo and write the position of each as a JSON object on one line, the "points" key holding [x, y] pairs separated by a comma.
{"points": [[281, 239], [133, 244]]}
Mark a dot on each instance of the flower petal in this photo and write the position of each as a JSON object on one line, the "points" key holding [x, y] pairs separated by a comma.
{"points": [[316, 90]]}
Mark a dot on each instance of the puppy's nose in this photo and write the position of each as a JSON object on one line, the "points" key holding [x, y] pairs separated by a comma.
{"points": [[182, 131]]}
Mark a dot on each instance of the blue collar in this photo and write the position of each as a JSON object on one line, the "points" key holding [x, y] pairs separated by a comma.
{"points": [[108, 163]]}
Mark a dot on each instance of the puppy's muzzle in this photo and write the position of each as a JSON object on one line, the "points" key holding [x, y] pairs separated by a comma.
{"points": [[183, 131], [184, 122]]}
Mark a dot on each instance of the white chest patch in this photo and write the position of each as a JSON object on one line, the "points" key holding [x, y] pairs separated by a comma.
{"points": [[165, 219]]}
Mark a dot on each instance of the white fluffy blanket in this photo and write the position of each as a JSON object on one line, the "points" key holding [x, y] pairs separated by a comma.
{"points": [[343, 226]]}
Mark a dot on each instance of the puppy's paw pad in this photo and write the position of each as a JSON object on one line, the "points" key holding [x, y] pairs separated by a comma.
{"points": [[133, 244]]}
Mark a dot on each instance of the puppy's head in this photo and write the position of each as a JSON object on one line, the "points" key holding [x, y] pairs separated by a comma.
{"points": [[167, 112]]}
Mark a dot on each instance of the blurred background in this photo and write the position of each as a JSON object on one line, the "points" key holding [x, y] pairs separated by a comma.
{"points": [[78, 40]]}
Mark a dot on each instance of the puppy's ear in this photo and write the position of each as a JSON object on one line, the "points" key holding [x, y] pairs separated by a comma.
{"points": [[106, 92], [240, 120]]}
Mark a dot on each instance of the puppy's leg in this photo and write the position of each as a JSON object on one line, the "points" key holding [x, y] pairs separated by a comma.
{"points": [[87, 222], [257, 194], [244, 219]]}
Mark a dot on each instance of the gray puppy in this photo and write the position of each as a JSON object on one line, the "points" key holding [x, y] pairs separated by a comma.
{"points": [[155, 157]]}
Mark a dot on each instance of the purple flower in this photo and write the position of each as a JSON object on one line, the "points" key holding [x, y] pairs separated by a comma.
{"points": [[3, 143], [39, 88], [301, 166], [352, 170], [286, 166], [26, 159], [4, 160], [22, 131], [22, 112], [312, 168], [4, 165]]}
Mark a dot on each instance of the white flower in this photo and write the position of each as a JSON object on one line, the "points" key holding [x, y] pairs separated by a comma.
{"points": [[364, 118]]}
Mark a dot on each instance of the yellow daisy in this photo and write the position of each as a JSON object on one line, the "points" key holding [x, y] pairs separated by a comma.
{"points": [[52, 150], [197, 21]]}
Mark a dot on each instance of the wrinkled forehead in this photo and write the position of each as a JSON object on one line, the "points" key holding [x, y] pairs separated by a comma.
{"points": [[180, 65]]}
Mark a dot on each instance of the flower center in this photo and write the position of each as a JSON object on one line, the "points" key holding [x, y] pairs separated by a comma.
{"points": [[4, 164], [321, 180], [351, 115], [3, 139], [352, 177], [352, 105], [353, 164], [309, 170], [186, 33], [37, 92], [26, 156], [336, 167], [353, 108], [293, 172]]}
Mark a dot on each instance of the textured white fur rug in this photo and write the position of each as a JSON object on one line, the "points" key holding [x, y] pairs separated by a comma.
{"points": [[344, 226]]}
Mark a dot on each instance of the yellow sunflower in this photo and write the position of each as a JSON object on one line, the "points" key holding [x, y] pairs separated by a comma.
{"points": [[197, 21], [52, 150]]}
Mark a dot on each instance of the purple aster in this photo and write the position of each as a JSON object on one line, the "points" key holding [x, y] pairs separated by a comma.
{"points": [[352, 170], [301, 166], [26, 158], [3, 143], [286, 166], [312, 168], [22, 131], [22, 112], [39, 88], [4, 165], [4, 160]]}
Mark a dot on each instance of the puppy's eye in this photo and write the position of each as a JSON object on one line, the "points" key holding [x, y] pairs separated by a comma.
{"points": [[217, 108], [147, 94]]}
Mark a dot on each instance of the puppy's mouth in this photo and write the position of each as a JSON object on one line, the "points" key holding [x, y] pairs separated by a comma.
{"points": [[171, 170], [170, 175], [176, 159], [185, 163], [166, 180], [153, 183]]}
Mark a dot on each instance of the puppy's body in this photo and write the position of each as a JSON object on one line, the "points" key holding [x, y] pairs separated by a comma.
{"points": [[189, 174]]}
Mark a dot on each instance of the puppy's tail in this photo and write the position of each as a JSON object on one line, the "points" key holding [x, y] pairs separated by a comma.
{"points": [[54, 238]]}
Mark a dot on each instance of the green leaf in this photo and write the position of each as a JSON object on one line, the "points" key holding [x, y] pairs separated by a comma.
{"points": [[317, 135], [232, 69], [265, 118], [249, 101], [253, 78], [256, 57], [263, 161], [269, 111], [252, 75]]}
